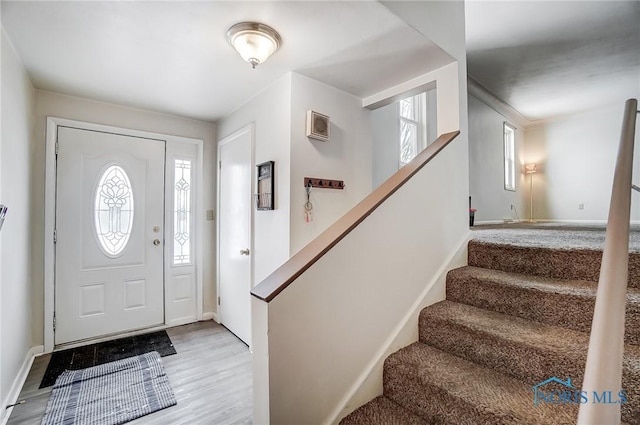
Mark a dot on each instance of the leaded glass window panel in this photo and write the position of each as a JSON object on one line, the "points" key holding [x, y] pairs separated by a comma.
{"points": [[182, 212], [113, 210]]}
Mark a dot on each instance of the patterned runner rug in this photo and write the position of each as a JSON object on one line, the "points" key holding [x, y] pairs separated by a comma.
{"points": [[110, 394]]}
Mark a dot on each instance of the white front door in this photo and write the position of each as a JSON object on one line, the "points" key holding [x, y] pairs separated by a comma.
{"points": [[109, 274], [234, 215]]}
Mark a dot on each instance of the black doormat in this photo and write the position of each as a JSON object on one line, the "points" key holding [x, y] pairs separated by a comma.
{"points": [[105, 352]]}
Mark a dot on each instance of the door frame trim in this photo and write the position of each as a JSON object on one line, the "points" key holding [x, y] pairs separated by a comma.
{"points": [[50, 210], [249, 128]]}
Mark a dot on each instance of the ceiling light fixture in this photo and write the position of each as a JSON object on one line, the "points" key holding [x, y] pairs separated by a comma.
{"points": [[255, 42]]}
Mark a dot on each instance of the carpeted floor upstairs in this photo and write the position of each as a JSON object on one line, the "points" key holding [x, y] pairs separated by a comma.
{"points": [[516, 316]]}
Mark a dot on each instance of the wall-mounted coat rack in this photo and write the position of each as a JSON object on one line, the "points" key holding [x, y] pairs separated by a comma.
{"points": [[323, 183]]}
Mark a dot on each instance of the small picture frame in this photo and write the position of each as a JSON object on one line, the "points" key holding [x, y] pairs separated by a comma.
{"points": [[265, 186], [318, 126]]}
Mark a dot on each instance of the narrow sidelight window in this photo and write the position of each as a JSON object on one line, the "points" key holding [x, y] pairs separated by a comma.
{"points": [[182, 212]]}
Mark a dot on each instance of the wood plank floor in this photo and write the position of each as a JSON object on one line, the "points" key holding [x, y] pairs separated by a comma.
{"points": [[211, 377]]}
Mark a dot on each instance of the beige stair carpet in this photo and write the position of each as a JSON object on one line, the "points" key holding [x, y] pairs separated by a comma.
{"points": [[518, 315]]}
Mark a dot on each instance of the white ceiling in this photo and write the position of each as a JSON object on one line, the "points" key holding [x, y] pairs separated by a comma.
{"points": [[551, 58], [173, 56]]}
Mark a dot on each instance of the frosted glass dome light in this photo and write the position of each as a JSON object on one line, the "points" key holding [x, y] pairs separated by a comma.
{"points": [[255, 42]]}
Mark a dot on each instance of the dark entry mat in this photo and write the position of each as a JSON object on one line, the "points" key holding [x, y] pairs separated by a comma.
{"points": [[105, 352]]}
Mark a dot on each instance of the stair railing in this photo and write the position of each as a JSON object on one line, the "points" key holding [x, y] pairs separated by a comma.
{"points": [[603, 370]]}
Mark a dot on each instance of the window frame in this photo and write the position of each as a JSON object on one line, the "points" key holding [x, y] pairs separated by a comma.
{"points": [[419, 106], [509, 156], [188, 214]]}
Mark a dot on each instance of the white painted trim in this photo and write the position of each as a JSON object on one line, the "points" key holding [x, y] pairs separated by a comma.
{"points": [[580, 221], [480, 223], [576, 222], [50, 209], [251, 129], [412, 87], [409, 319], [210, 315], [18, 382], [200, 226], [503, 221], [49, 226]]}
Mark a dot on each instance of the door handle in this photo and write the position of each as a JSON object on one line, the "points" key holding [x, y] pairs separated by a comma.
{"points": [[244, 251], [156, 242]]}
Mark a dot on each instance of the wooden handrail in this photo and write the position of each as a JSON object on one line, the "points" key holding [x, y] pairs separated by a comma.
{"points": [[603, 370], [275, 283]]}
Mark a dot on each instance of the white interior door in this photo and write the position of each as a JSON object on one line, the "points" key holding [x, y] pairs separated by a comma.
{"points": [[234, 218], [109, 234]]}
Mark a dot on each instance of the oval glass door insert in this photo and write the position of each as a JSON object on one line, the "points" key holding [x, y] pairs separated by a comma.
{"points": [[113, 211]]}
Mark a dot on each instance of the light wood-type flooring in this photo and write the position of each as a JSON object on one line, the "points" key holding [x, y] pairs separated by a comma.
{"points": [[211, 377]]}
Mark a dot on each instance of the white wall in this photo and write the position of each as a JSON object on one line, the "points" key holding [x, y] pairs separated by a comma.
{"points": [[327, 328], [16, 147], [346, 156], [386, 153], [576, 155], [486, 166], [270, 111], [74, 108]]}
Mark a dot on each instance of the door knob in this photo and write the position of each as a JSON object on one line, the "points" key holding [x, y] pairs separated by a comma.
{"points": [[244, 251], [156, 242]]}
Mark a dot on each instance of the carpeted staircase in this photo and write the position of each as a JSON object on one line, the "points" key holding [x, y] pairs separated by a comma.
{"points": [[499, 333]]}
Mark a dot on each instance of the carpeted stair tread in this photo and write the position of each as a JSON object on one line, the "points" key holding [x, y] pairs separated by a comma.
{"points": [[559, 263], [447, 389], [566, 303], [527, 350], [382, 411]]}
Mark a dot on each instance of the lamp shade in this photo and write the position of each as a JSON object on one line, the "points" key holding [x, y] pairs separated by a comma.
{"points": [[254, 41], [531, 168]]}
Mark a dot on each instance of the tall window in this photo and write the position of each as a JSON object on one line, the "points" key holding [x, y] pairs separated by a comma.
{"points": [[182, 212], [413, 127], [509, 157]]}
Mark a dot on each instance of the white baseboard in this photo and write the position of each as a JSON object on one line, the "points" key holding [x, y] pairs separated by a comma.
{"points": [[210, 315], [18, 382], [369, 383], [578, 221], [480, 223], [544, 220]]}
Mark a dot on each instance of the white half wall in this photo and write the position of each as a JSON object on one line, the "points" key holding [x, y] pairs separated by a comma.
{"points": [[346, 156], [576, 156], [74, 108], [16, 241], [486, 166], [270, 111], [328, 327]]}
